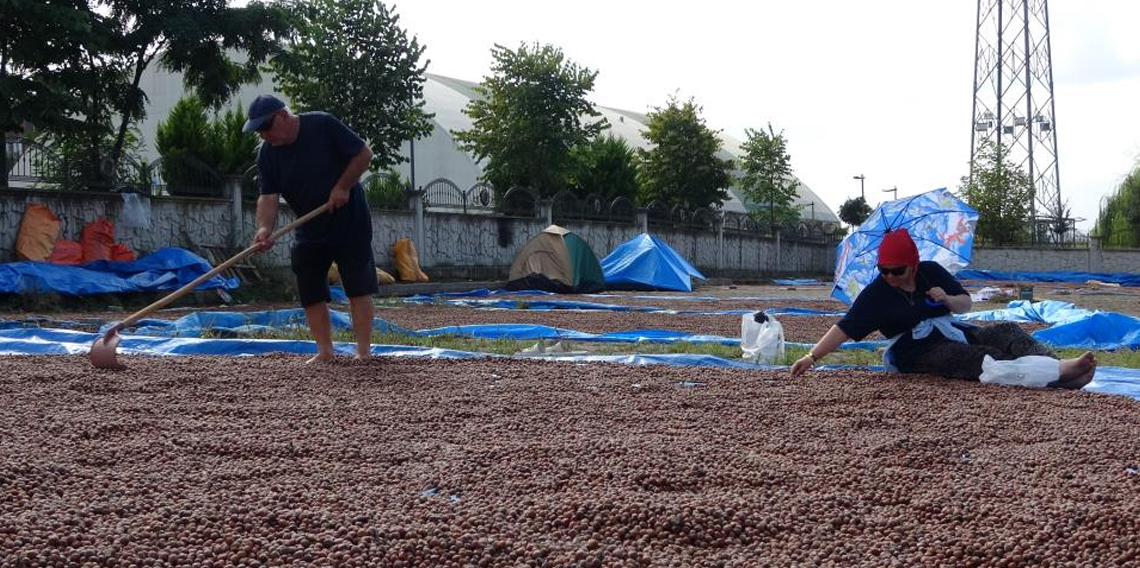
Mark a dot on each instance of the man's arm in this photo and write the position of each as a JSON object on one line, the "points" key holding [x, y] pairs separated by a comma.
{"points": [[356, 168], [266, 220]]}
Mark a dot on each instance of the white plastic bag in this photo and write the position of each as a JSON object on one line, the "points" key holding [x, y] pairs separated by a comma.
{"points": [[1034, 371], [135, 213], [761, 338]]}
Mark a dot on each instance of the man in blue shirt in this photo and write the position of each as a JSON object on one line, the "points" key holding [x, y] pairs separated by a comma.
{"points": [[311, 159]]}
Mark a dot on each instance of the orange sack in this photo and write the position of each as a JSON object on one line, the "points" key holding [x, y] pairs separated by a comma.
{"points": [[120, 252], [407, 261], [39, 229], [97, 239], [66, 252]]}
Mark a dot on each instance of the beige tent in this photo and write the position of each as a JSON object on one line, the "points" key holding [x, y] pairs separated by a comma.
{"points": [[559, 261]]}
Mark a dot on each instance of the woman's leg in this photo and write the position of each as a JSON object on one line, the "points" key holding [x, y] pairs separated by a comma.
{"points": [[953, 360], [1008, 337]]}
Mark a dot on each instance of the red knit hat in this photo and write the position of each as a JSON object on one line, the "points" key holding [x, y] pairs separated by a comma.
{"points": [[898, 249]]}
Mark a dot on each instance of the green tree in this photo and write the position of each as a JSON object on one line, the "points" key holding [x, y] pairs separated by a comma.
{"points": [[352, 59], [1119, 221], [682, 167], [854, 211], [234, 150], [531, 112], [119, 39], [189, 140], [767, 180], [1001, 192], [36, 38], [604, 166]]}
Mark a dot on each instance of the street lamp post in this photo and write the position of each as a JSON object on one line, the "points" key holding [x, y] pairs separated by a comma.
{"points": [[861, 177], [894, 190]]}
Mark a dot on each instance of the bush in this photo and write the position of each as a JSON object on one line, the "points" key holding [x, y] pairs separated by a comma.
{"points": [[197, 152], [386, 191]]}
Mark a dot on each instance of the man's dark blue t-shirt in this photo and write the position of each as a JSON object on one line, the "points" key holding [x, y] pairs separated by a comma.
{"points": [[305, 172], [891, 311]]}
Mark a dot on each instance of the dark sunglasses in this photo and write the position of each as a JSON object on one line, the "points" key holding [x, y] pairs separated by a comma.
{"points": [[896, 271], [265, 126]]}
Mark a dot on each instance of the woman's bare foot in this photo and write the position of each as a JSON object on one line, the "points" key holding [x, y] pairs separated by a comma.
{"points": [[1076, 372]]}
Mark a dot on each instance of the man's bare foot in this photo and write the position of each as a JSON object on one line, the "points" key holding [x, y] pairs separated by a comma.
{"points": [[321, 358], [1076, 372], [359, 357]]}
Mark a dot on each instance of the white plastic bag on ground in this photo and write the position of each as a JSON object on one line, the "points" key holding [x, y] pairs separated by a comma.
{"points": [[761, 338], [1034, 371]]}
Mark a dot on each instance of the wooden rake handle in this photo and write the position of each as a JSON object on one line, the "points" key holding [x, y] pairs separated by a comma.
{"points": [[217, 270]]}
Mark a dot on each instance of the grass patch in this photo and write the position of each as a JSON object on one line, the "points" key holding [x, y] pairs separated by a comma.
{"points": [[510, 346], [1120, 358]]}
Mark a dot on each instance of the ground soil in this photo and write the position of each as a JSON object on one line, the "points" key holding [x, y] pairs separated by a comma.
{"points": [[262, 461]]}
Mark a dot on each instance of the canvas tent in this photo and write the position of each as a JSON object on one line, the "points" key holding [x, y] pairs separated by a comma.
{"points": [[647, 263], [558, 261]]}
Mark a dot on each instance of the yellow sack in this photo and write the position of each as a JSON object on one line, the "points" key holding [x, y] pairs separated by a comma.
{"points": [[407, 261], [384, 278], [381, 276], [38, 231]]}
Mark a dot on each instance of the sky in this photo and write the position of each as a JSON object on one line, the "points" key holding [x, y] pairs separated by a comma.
{"points": [[879, 88]]}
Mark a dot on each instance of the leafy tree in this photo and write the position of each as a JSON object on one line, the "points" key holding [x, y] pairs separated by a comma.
{"points": [[188, 140], [1119, 222], [186, 130], [767, 179], [531, 112], [119, 39], [682, 167], [854, 211], [352, 59], [235, 150], [1001, 192], [604, 166], [36, 38]]}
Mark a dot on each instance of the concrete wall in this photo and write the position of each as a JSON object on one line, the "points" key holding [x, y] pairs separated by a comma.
{"points": [[483, 246], [1092, 259], [453, 244]]}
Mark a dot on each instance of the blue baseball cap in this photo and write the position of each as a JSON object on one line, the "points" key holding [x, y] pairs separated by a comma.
{"points": [[260, 110]]}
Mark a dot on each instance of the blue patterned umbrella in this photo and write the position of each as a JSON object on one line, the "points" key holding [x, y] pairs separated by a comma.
{"points": [[941, 225]]}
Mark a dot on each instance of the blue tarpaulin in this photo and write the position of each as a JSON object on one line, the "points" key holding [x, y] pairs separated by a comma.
{"points": [[1124, 279], [1100, 330], [165, 270], [230, 324], [31, 341], [1051, 312], [796, 282], [648, 263]]}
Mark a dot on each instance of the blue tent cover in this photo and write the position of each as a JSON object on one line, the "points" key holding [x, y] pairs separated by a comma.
{"points": [[648, 263]]}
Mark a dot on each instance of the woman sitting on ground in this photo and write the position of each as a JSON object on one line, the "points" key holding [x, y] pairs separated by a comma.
{"points": [[910, 303]]}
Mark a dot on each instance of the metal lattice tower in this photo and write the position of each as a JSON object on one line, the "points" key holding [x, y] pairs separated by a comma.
{"points": [[1013, 101]]}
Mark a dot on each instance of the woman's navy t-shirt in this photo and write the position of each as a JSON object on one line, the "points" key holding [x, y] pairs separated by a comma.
{"points": [[891, 311], [305, 172]]}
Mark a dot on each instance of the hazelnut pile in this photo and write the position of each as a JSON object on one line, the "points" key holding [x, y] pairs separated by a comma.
{"points": [[264, 461]]}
